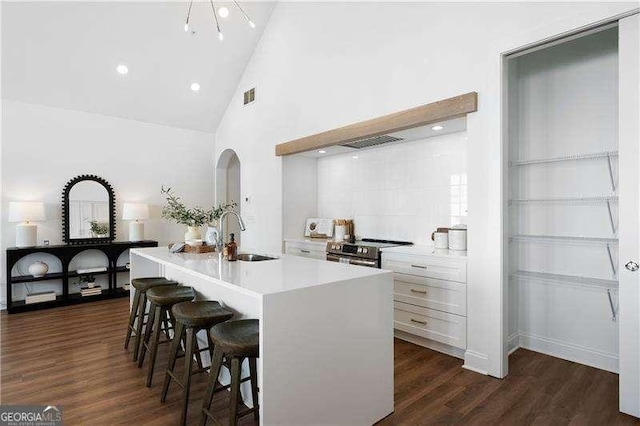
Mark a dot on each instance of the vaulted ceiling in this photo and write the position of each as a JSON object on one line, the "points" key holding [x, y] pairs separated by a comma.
{"points": [[65, 54]]}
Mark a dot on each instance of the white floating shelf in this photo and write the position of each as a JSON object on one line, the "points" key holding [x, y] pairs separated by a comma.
{"points": [[567, 279], [574, 200], [563, 239], [603, 154]]}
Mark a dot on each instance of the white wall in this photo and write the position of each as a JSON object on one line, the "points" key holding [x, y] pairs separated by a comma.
{"points": [[323, 65], [45, 147], [299, 193], [399, 192]]}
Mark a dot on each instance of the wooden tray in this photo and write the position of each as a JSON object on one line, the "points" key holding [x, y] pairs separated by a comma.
{"points": [[197, 249]]}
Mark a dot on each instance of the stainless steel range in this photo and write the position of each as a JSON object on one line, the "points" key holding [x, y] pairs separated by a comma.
{"points": [[365, 252]]}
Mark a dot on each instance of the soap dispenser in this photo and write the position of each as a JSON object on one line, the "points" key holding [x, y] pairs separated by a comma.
{"points": [[232, 249]]}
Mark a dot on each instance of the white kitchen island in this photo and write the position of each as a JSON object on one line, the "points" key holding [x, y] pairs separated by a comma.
{"points": [[326, 330]]}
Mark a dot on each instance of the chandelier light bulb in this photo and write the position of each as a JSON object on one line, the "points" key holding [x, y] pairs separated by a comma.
{"points": [[223, 11], [252, 24], [186, 28], [220, 36], [122, 69]]}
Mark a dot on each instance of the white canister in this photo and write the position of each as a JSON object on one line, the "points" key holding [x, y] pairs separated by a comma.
{"points": [[441, 240], [38, 269], [339, 232], [458, 238]]}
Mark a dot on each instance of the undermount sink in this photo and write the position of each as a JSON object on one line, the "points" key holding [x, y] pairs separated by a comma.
{"points": [[249, 257]]}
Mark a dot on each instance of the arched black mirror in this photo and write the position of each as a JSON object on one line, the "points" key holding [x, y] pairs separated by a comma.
{"points": [[88, 211]]}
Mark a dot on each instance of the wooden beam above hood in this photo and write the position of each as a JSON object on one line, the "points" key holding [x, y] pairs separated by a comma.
{"points": [[434, 112]]}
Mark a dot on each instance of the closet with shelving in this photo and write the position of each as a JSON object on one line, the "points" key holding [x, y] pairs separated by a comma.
{"points": [[562, 211]]}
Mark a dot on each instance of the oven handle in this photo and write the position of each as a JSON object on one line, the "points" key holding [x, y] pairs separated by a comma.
{"points": [[352, 261]]}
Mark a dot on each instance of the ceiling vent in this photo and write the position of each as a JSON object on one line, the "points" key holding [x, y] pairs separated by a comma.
{"points": [[250, 96], [372, 141]]}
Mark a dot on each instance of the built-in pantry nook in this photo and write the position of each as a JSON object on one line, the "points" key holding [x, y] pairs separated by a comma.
{"points": [[563, 199]]}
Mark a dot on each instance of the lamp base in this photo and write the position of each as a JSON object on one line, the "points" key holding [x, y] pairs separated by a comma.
{"points": [[26, 235], [136, 231]]}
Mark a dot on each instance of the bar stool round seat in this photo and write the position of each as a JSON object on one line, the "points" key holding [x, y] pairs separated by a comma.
{"points": [[237, 338], [203, 314], [169, 295], [144, 284], [190, 318], [235, 341], [139, 307], [162, 299]]}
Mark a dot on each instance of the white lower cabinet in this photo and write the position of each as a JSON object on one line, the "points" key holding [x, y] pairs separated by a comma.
{"points": [[431, 324], [310, 249], [430, 300]]}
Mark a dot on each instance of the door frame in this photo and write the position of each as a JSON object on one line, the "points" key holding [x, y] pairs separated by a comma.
{"points": [[505, 57]]}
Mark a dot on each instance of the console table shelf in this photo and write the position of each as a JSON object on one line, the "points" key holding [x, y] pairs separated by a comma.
{"points": [[65, 254]]}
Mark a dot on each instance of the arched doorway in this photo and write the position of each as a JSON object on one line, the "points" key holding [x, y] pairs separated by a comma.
{"points": [[228, 188]]}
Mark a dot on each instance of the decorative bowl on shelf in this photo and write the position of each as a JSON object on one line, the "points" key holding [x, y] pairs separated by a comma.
{"points": [[38, 269]]}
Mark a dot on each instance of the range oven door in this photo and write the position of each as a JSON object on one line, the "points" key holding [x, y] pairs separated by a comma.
{"points": [[352, 260]]}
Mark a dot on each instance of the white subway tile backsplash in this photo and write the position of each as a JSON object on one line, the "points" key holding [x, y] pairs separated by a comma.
{"points": [[403, 191]]}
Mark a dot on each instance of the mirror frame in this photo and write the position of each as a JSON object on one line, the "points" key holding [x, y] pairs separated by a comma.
{"points": [[65, 211]]}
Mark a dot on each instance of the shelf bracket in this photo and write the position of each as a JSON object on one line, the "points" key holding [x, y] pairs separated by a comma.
{"points": [[613, 266], [614, 313], [613, 225], [613, 182]]}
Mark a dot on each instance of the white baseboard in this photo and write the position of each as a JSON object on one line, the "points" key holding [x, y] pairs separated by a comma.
{"points": [[569, 351], [430, 344], [476, 362], [513, 343]]}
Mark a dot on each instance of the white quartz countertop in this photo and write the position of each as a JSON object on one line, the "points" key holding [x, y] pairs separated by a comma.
{"points": [[322, 242], [286, 273], [426, 250]]}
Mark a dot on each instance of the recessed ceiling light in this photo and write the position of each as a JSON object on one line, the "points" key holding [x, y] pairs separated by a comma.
{"points": [[223, 12], [355, 157], [322, 151], [122, 69], [436, 128], [195, 87]]}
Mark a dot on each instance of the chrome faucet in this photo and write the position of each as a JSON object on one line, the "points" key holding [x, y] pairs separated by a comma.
{"points": [[221, 232]]}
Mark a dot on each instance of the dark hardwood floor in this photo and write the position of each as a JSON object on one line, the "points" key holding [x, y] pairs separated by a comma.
{"points": [[73, 357]]}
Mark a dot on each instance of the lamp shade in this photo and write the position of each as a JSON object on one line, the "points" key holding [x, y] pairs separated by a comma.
{"points": [[135, 211], [23, 211]]}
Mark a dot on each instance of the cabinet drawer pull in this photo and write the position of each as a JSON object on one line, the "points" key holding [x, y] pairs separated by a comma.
{"points": [[418, 321], [305, 251], [413, 290], [418, 266]]}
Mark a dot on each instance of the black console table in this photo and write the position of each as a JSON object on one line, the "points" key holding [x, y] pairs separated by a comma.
{"points": [[65, 253]]}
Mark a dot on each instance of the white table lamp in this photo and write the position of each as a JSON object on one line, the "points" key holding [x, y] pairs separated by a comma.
{"points": [[25, 213], [135, 212]]}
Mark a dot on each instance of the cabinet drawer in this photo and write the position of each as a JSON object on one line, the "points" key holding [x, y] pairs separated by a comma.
{"points": [[442, 327], [446, 296], [304, 252], [424, 266]]}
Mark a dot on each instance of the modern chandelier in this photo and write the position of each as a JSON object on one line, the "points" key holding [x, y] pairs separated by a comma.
{"points": [[223, 12]]}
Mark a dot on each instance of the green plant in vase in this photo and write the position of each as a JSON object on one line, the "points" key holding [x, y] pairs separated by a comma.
{"points": [[98, 229], [193, 218]]}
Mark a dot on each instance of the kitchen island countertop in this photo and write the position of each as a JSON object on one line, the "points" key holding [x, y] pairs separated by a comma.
{"points": [[326, 331], [284, 273]]}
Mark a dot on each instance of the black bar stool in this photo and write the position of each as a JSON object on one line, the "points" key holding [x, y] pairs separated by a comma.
{"points": [[138, 314], [235, 341], [190, 318], [162, 300]]}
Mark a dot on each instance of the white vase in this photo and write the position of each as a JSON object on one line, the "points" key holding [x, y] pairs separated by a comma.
{"points": [[38, 269], [193, 233]]}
